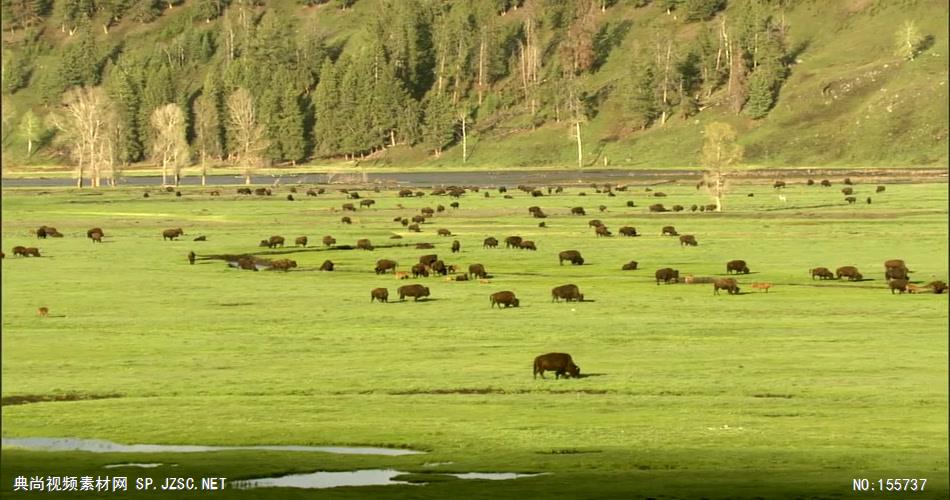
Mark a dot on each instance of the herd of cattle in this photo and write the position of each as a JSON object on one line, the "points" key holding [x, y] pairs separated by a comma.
{"points": [[896, 272]]}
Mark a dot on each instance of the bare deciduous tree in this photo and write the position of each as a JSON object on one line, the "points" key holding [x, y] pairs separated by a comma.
{"points": [[85, 119], [719, 158], [170, 145], [247, 133]]}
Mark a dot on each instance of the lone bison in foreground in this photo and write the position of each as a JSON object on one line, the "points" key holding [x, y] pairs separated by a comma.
{"points": [[666, 275], [572, 256], [568, 292], [505, 298], [558, 362], [171, 234], [822, 273], [728, 284], [414, 291], [380, 294], [849, 272], [737, 266]]}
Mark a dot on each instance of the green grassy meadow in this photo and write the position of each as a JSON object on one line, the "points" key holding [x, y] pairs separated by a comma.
{"points": [[790, 393]]}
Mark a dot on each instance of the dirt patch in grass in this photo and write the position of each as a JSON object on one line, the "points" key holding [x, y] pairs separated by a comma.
{"points": [[45, 398]]}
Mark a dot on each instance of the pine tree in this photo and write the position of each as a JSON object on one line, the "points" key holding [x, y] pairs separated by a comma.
{"points": [[640, 102], [326, 103], [439, 122], [761, 95], [81, 64], [123, 87]]}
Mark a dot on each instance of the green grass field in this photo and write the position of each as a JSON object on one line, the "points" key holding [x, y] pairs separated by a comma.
{"points": [[790, 393]]}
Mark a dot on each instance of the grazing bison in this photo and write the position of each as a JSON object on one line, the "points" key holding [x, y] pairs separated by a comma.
{"points": [[383, 265], [477, 270], [595, 223], [628, 231], [850, 199], [602, 231], [490, 242], [427, 260], [420, 270], [171, 234], [438, 267], [329, 241], [728, 284], [847, 191], [349, 207], [899, 285], [578, 211], [364, 244], [631, 204], [540, 215], [414, 228], [527, 245], [290, 197], [822, 273], [311, 192], [573, 256], [847, 180], [200, 238], [880, 189], [283, 264], [513, 242], [26, 251], [737, 266], [658, 207], [454, 204], [380, 294], [327, 265], [346, 220], [243, 190], [568, 292], [558, 362], [669, 231], [849, 272], [826, 183], [443, 232], [677, 208], [424, 246], [95, 230], [301, 241], [534, 209], [414, 291], [688, 240], [897, 273], [405, 193], [937, 286], [426, 212], [505, 298], [418, 219], [456, 246], [273, 241], [247, 263], [778, 184], [666, 275], [629, 266], [367, 203], [95, 236]]}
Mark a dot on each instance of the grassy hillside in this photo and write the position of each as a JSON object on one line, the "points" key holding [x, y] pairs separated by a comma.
{"points": [[848, 100]]}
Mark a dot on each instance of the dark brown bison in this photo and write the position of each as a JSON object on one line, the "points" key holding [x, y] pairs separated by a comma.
{"points": [[420, 270], [380, 294], [847, 191], [669, 231], [311, 192], [405, 193], [899, 263], [899, 285], [191, 258], [778, 184], [937, 286], [456, 246], [418, 219], [595, 223], [822, 273], [849, 272], [527, 245], [367, 203], [327, 265], [273, 241], [247, 263], [477, 270], [95, 236], [628, 231], [558, 362], [880, 189], [602, 231], [427, 260], [424, 246], [658, 207], [20, 250], [99, 230], [578, 211], [737, 266], [438, 267], [505, 298], [200, 238], [41, 232], [444, 232], [810, 182], [688, 240], [283, 265], [572, 256], [290, 197], [631, 204], [513, 242], [346, 220], [349, 207], [364, 244], [847, 180], [896, 273], [329, 241], [301, 241], [490, 242], [415, 291], [666, 275], [171, 234], [426, 212], [850, 199], [677, 208], [383, 265], [534, 209], [826, 183], [728, 284], [568, 292], [243, 190], [414, 228], [629, 266]]}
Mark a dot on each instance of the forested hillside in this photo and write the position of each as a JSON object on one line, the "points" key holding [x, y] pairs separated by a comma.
{"points": [[114, 84]]}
